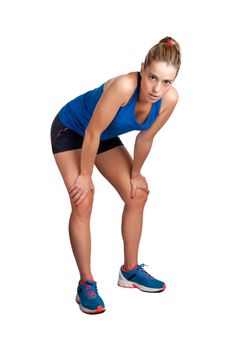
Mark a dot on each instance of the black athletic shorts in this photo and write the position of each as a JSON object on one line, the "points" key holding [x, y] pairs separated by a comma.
{"points": [[64, 139]]}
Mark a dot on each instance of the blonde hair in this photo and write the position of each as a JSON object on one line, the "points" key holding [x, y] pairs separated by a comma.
{"points": [[166, 50]]}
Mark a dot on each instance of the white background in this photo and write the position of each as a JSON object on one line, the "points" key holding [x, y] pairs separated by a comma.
{"points": [[51, 51]]}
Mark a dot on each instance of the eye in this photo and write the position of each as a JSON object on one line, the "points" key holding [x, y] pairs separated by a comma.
{"points": [[152, 77], [167, 82]]}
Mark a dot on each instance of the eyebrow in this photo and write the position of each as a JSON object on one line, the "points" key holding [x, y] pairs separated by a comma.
{"points": [[158, 77]]}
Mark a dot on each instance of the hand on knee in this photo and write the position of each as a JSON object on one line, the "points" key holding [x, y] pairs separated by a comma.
{"points": [[84, 209], [138, 183], [141, 194], [139, 198], [80, 189]]}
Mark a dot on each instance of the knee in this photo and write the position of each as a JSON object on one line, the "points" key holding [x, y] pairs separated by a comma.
{"points": [[139, 199], [84, 209]]}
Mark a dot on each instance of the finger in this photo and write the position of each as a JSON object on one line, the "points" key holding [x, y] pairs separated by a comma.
{"points": [[76, 197], [132, 187], [74, 192], [81, 195], [71, 191], [144, 189], [81, 198], [133, 192]]}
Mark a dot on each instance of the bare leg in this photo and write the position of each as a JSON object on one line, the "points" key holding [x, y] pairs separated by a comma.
{"points": [[80, 238], [115, 165], [79, 222], [132, 221]]}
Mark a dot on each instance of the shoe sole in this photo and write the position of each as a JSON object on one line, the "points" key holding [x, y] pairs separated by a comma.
{"points": [[123, 282], [99, 309]]}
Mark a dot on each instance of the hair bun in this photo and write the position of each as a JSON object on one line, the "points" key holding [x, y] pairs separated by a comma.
{"points": [[166, 50]]}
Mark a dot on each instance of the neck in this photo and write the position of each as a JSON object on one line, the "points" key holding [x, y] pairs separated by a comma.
{"points": [[141, 98]]}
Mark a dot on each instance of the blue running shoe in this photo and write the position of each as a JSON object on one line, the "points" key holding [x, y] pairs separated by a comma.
{"points": [[139, 278], [88, 299]]}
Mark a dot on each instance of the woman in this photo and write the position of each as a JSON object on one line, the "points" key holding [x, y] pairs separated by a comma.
{"points": [[85, 132]]}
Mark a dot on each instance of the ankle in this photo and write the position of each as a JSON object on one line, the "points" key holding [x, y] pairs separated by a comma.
{"points": [[83, 278], [128, 267], [84, 281]]}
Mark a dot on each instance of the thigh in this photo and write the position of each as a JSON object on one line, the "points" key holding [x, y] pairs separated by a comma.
{"points": [[69, 166], [116, 165]]}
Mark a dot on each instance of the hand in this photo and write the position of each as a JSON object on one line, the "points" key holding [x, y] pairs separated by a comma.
{"points": [[82, 185], [138, 181]]}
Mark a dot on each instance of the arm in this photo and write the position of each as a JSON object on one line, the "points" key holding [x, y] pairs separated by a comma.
{"points": [[144, 139], [111, 100], [141, 151]]}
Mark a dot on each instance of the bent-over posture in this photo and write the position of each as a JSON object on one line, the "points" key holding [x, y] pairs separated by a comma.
{"points": [[86, 132]]}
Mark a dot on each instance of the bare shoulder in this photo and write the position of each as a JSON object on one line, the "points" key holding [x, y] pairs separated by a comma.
{"points": [[124, 85], [125, 81], [114, 95], [170, 99]]}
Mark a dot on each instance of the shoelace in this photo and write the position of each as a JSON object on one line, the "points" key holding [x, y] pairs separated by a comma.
{"points": [[141, 270], [91, 290]]}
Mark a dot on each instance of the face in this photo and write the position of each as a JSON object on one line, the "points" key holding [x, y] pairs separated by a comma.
{"points": [[156, 80]]}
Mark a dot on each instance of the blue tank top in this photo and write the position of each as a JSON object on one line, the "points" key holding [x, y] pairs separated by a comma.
{"points": [[77, 113]]}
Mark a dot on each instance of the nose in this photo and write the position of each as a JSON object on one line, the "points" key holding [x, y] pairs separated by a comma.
{"points": [[156, 88]]}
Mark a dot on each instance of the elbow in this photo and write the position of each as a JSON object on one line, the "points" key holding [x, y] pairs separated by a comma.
{"points": [[145, 139], [92, 134], [91, 141]]}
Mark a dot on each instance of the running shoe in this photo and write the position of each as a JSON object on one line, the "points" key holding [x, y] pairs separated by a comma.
{"points": [[139, 278], [88, 299]]}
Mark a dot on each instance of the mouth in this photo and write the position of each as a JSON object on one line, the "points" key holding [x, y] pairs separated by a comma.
{"points": [[154, 97]]}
